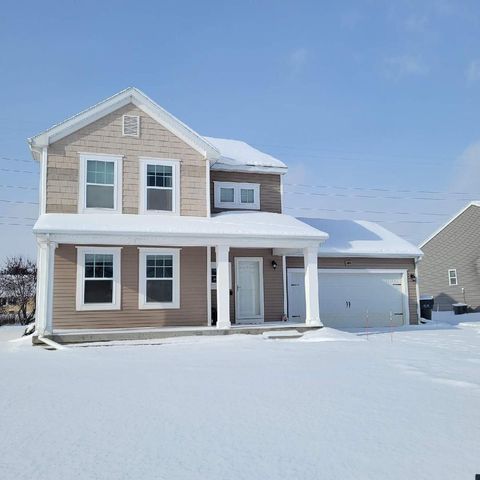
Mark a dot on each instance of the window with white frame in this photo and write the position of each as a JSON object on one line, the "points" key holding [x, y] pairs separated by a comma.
{"points": [[235, 195], [452, 277], [159, 278], [98, 278], [159, 186], [213, 275], [100, 183]]}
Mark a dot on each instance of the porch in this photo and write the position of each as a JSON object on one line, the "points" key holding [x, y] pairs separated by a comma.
{"points": [[144, 296]]}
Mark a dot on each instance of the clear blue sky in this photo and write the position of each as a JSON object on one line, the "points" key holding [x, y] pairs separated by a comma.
{"points": [[358, 95]]}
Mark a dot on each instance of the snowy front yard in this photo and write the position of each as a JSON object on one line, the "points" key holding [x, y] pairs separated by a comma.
{"points": [[332, 405]]}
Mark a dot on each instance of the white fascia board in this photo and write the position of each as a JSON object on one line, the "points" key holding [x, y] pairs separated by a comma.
{"points": [[115, 102], [225, 167], [193, 240], [436, 232], [299, 253]]}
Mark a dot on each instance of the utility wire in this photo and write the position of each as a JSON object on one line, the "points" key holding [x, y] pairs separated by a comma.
{"points": [[19, 186], [389, 197], [10, 159], [339, 187], [18, 202], [16, 171]]}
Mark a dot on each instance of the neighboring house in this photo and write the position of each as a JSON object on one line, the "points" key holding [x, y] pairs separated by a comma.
{"points": [[145, 223], [450, 268]]}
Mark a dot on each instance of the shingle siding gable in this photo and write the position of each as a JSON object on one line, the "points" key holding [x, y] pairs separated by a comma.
{"points": [[105, 136]]}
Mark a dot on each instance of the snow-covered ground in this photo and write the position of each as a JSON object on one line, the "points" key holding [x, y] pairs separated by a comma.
{"points": [[332, 405]]}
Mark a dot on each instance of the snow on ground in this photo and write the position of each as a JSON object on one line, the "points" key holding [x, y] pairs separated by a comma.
{"points": [[387, 405]]}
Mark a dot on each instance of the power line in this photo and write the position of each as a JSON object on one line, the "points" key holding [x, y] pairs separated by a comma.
{"points": [[333, 210], [16, 224], [16, 171], [10, 159], [329, 151], [339, 187], [18, 202], [17, 218], [389, 197], [19, 186]]}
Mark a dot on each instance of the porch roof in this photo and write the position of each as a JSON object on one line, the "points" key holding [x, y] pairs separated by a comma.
{"points": [[228, 228]]}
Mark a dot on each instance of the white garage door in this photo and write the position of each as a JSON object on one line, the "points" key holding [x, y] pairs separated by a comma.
{"points": [[352, 299]]}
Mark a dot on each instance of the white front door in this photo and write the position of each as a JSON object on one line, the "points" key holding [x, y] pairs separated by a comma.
{"points": [[249, 289]]}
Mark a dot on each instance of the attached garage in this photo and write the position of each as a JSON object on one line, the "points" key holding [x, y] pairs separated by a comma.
{"points": [[367, 277], [353, 298]]}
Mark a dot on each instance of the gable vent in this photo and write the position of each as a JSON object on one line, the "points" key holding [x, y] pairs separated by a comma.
{"points": [[131, 125]]}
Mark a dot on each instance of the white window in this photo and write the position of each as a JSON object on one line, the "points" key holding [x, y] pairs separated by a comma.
{"points": [[213, 267], [131, 126], [159, 186], [98, 278], [452, 277], [100, 189], [159, 278], [244, 196]]}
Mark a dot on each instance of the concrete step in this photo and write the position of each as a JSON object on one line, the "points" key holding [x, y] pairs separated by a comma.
{"points": [[282, 335]]}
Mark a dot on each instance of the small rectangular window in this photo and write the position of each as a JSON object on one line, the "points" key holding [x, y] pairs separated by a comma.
{"points": [[235, 195], [452, 277], [159, 186], [159, 278], [98, 278], [213, 267], [227, 195]]}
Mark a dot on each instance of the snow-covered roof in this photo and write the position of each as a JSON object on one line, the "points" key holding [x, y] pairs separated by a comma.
{"points": [[233, 228], [237, 155], [436, 232], [359, 238]]}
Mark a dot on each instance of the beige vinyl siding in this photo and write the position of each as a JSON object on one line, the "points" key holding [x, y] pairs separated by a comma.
{"points": [[193, 298], [105, 136], [270, 188], [272, 282], [380, 263], [457, 246]]}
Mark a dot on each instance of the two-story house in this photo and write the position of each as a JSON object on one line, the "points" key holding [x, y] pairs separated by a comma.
{"points": [[144, 223]]}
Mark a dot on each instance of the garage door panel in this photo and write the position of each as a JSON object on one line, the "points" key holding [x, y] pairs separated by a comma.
{"points": [[351, 299]]}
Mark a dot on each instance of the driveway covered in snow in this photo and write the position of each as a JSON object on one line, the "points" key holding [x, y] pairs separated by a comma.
{"points": [[332, 405]]}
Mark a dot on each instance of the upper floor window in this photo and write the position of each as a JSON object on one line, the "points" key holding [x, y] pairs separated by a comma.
{"points": [[100, 183], [452, 277], [159, 186], [245, 196]]}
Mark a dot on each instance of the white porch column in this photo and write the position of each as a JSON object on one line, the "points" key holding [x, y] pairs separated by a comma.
{"points": [[45, 273], [311, 286], [223, 286]]}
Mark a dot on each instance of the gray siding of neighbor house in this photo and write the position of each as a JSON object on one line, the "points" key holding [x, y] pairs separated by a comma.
{"points": [[379, 263], [456, 246], [104, 136], [270, 188]]}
